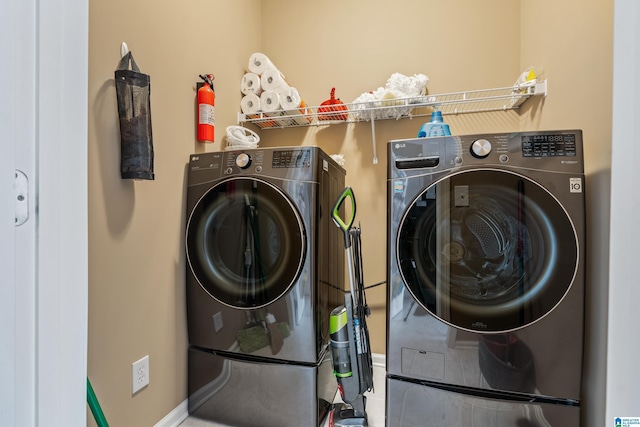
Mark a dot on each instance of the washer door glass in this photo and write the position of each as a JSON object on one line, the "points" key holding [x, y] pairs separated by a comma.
{"points": [[487, 250], [245, 243]]}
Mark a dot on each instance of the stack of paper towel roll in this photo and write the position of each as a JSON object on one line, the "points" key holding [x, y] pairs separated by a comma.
{"points": [[266, 91]]}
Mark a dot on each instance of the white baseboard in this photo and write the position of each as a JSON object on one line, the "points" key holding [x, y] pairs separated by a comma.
{"points": [[379, 360], [175, 417]]}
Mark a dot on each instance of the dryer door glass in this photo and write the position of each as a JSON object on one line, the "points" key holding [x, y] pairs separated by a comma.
{"points": [[245, 243], [487, 250]]}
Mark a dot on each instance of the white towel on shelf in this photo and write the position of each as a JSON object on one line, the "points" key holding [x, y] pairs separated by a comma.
{"points": [[250, 104], [259, 63], [395, 94], [250, 84], [407, 86]]}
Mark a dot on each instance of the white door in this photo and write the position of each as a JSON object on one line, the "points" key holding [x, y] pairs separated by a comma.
{"points": [[43, 267], [17, 245]]}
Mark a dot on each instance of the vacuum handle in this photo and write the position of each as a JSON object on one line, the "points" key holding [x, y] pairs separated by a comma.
{"points": [[345, 224]]}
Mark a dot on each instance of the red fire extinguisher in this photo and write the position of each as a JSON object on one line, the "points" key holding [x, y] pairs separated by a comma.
{"points": [[206, 110]]}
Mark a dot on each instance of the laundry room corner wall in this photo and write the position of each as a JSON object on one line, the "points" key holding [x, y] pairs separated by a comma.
{"points": [[356, 46], [136, 228], [570, 43]]}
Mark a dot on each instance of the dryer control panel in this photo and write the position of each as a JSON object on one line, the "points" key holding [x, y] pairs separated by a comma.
{"points": [[299, 163], [291, 159]]}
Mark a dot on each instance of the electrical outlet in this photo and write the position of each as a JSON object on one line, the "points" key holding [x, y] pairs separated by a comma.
{"points": [[139, 374], [217, 321]]}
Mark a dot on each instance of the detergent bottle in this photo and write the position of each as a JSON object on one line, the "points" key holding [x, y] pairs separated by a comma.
{"points": [[435, 127]]}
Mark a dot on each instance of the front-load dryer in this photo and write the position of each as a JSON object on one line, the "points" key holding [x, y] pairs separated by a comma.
{"points": [[486, 250], [264, 271]]}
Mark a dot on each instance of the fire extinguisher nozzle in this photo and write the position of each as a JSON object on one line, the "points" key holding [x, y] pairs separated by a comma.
{"points": [[208, 79]]}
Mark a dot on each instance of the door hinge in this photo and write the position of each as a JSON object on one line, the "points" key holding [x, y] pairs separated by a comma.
{"points": [[22, 197]]}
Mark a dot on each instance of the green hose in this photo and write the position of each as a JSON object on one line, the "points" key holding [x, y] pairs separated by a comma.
{"points": [[92, 400]]}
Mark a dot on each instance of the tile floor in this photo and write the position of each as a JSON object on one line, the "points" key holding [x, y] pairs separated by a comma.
{"points": [[375, 403]]}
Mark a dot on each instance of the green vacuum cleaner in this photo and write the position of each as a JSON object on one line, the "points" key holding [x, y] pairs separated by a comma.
{"points": [[349, 342]]}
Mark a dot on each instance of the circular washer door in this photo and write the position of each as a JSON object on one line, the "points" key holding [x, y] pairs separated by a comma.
{"points": [[245, 243], [487, 250]]}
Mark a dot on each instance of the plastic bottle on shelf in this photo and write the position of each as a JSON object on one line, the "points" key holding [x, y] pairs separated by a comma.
{"points": [[435, 127]]}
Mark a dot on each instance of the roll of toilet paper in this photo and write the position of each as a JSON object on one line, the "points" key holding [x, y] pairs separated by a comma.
{"points": [[273, 80], [250, 84], [259, 63], [250, 104], [269, 101], [293, 104], [290, 98]]}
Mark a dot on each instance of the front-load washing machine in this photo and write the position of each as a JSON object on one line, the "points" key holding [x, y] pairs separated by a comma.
{"points": [[264, 270], [486, 255]]}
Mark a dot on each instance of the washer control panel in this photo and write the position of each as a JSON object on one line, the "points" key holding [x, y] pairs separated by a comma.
{"points": [[549, 145]]}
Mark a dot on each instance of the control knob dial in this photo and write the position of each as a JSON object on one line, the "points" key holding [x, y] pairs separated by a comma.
{"points": [[481, 148], [243, 160]]}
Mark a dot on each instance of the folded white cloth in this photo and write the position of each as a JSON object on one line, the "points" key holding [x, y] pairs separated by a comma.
{"points": [[393, 94], [339, 158], [405, 86]]}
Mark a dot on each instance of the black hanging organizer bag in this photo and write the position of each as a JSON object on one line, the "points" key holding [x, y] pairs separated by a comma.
{"points": [[133, 91]]}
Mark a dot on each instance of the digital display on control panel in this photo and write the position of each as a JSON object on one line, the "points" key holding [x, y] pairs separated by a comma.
{"points": [[291, 159], [549, 145]]}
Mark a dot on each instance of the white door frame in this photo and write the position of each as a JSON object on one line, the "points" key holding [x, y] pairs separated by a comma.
{"points": [[623, 346], [43, 263]]}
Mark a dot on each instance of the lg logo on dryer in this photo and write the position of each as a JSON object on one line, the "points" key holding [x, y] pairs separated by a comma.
{"points": [[575, 185], [479, 325]]}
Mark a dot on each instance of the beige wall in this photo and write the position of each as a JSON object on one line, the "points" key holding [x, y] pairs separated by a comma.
{"points": [[136, 259], [136, 255], [355, 46], [573, 41]]}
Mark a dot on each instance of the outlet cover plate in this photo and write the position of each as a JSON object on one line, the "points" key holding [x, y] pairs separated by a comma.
{"points": [[139, 374]]}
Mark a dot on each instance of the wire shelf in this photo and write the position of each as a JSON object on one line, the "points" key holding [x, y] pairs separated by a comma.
{"points": [[475, 101]]}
